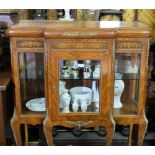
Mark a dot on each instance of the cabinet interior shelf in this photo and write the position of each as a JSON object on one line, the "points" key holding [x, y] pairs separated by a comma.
{"points": [[79, 79], [129, 76], [128, 108]]}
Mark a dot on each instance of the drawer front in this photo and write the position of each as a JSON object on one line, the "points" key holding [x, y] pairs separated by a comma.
{"points": [[127, 45], [30, 43], [79, 44]]}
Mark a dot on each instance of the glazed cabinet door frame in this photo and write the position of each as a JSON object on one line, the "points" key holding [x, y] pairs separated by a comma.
{"points": [[80, 49], [135, 46], [23, 45], [54, 55]]}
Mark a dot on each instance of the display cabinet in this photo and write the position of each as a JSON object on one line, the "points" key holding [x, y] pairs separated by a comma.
{"points": [[88, 73], [28, 77], [131, 66]]}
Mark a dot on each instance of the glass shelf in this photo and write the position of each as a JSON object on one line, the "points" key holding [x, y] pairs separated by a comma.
{"points": [[128, 108], [128, 76], [90, 108], [61, 78]]}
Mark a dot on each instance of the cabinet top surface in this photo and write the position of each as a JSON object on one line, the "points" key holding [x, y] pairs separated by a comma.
{"points": [[39, 27], [76, 24]]}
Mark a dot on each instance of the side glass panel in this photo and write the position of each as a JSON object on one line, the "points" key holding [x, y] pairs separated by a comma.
{"points": [[31, 72], [79, 86], [126, 89]]}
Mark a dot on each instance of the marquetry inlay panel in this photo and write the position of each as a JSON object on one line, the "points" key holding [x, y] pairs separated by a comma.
{"points": [[30, 44], [129, 45], [79, 45]]}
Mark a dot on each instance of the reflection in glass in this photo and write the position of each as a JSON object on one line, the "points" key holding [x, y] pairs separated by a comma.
{"points": [[79, 85], [126, 90], [31, 71]]}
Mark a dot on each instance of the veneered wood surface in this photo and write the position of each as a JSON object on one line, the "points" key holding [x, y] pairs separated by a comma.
{"points": [[66, 40]]}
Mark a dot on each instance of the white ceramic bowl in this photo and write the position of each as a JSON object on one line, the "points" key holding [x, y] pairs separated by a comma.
{"points": [[81, 93]]}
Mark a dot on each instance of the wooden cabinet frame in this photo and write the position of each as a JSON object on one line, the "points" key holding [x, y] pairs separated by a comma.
{"points": [[80, 52], [48, 37]]}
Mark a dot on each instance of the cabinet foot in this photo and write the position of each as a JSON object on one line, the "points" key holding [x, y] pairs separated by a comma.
{"points": [[141, 131], [48, 132], [110, 129], [15, 125]]}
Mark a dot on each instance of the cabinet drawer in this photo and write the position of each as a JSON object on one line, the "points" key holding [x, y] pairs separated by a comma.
{"points": [[30, 43], [127, 45], [91, 44]]}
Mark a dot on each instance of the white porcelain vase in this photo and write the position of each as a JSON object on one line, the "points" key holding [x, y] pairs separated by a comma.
{"points": [[62, 89], [65, 102], [118, 90]]}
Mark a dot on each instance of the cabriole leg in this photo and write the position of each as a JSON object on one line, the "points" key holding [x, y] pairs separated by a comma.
{"points": [[15, 125]]}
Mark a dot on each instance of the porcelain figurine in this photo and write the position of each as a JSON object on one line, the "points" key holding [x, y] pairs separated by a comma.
{"points": [[118, 90], [65, 72], [72, 64], [74, 73]]}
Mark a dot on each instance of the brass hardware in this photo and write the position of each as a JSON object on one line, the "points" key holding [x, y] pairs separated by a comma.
{"points": [[79, 124], [80, 34]]}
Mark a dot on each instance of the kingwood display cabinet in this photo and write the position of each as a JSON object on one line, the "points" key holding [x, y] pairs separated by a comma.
{"points": [[86, 74]]}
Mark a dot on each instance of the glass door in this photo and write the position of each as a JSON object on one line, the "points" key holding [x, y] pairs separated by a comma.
{"points": [[79, 86], [126, 89], [31, 77]]}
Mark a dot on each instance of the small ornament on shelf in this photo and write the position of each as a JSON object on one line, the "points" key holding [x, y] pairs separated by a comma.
{"points": [[67, 15], [75, 73], [96, 73], [65, 72], [60, 13], [86, 72]]}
